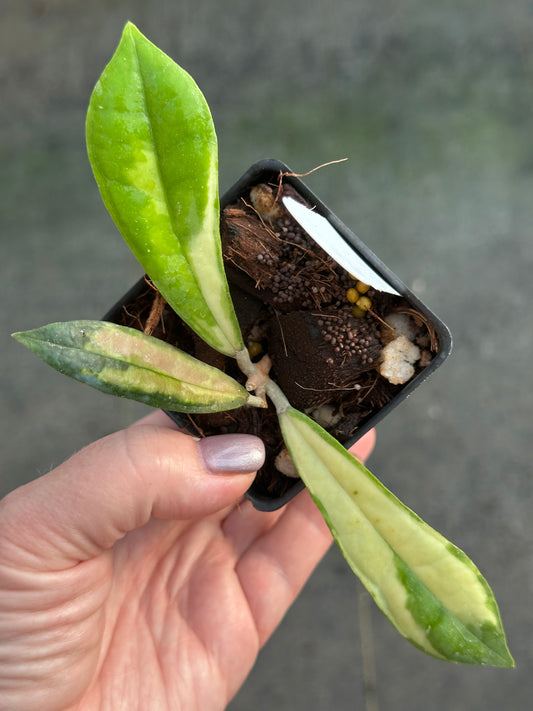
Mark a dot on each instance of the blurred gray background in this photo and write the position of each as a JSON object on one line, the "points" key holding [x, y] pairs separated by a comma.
{"points": [[431, 102]]}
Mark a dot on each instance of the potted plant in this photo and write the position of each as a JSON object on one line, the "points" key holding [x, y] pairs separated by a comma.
{"points": [[312, 333], [319, 371]]}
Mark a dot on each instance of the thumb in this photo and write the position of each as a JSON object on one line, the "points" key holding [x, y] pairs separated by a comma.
{"points": [[363, 448], [117, 484]]}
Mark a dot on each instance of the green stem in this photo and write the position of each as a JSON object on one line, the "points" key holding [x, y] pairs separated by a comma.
{"points": [[244, 362], [276, 394]]}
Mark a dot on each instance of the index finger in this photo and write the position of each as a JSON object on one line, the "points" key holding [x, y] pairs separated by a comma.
{"points": [[274, 568]]}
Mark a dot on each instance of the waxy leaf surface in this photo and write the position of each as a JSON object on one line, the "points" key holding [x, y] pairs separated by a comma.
{"points": [[430, 590], [153, 149], [125, 362]]}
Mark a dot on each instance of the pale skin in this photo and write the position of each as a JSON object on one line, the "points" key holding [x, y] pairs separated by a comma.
{"points": [[131, 578]]}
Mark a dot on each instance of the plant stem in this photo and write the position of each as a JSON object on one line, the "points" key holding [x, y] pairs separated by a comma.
{"points": [[276, 394], [259, 380], [244, 362], [255, 401]]}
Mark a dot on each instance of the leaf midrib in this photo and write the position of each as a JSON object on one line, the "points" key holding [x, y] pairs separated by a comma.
{"points": [[111, 359], [468, 631], [158, 167]]}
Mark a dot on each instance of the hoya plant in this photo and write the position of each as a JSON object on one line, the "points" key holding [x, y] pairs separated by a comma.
{"points": [[153, 149]]}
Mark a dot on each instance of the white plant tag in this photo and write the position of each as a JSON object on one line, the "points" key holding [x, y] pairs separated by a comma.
{"points": [[327, 237]]}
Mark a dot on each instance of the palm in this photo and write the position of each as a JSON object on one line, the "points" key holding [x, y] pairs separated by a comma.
{"points": [[182, 601], [121, 589], [176, 613]]}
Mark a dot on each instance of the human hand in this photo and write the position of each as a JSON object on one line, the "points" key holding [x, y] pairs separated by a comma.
{"points": [[134, 577]]}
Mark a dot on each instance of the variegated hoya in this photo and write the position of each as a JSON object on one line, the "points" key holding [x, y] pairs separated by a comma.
{"points": [[153, 149]]}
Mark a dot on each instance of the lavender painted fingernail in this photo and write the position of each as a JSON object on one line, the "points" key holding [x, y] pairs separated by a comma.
{"points": [[232, 453]]}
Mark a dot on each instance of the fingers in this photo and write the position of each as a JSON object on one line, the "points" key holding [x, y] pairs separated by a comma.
{"points": [[274, 569], [244, 525], [362, 449], [116, 484], [157, 418], [280, 550]]}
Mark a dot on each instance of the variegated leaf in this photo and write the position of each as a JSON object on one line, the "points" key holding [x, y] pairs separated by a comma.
{"points": [[429, 589], [153, 149], [125, 362]]}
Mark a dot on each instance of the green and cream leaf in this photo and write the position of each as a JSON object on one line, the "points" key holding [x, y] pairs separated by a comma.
{"points": [[430, 590], [125, 362], [153, 149]]}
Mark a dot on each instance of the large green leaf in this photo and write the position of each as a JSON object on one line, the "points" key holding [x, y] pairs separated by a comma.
{"points": [[153, 149], [125, 362], [430, 590]]}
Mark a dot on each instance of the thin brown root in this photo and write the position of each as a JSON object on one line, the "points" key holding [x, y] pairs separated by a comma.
{"points": [[134, 318], [384, 323], [156, 314], [281, 332], [371, 387], [335, 388], [149, 282], [260, 217], [420, 320], [196, 426], [303, 175], [321, 314]]}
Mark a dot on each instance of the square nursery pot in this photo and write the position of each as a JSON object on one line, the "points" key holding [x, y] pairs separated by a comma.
{"points": [[348, 344]]}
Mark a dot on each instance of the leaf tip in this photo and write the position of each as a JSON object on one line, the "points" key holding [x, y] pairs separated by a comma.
{"points": [[506, 660], [22, 337], [130, 29]]}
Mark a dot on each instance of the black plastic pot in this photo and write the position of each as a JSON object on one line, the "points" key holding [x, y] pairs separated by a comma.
{"points": [[268, 171]]}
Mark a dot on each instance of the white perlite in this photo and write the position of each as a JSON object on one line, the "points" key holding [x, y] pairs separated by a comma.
{"points": [[397, 359], [402, 324], [285, 465]]}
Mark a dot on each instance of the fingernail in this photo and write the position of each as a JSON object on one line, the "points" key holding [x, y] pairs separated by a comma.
{"points": [[232, 453]]}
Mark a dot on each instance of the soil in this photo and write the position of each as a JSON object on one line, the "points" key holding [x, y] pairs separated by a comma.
{"points": [[295, 304]]}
